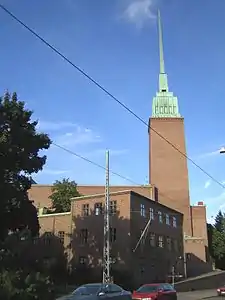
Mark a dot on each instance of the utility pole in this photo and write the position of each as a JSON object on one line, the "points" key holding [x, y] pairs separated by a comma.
{"points": [[173, 275], [106, 249]]}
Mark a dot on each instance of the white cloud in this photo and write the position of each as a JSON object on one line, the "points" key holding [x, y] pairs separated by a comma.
{"points": [[208, 154], [139, 12], [213, 205], [54, 126], [70, 133], [207, 184], [78, 136], [54, 172]]}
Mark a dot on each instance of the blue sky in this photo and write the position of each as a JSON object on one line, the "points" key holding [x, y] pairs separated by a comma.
{"points": [[116, 43]]}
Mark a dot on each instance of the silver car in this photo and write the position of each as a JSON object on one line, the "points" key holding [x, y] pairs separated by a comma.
{"points": [[99, 291]]}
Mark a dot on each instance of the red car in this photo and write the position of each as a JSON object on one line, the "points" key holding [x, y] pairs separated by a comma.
{"points": [[155, 291], [221, 291]]}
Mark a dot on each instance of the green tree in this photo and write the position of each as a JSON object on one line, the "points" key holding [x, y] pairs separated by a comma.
{"points": [[62, 192], [216, 234], [210, 228], [19, 158], [220, 222], [218, 244]]}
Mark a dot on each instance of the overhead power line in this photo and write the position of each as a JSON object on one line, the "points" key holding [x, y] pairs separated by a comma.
{"points": [[54, 49], [94, 163], [112, 172]]}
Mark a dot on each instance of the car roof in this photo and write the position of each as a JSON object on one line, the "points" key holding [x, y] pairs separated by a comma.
{"points": [[155, 284], [92, 284]]}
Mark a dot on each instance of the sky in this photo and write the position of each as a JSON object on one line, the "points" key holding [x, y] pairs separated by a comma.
{"points": [[116, 43]]}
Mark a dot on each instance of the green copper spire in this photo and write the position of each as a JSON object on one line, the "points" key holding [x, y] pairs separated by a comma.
{"points": [[161, 56], [165, 105]]}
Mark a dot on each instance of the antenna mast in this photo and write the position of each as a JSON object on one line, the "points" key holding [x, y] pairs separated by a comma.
{"points": [[106, 250]]}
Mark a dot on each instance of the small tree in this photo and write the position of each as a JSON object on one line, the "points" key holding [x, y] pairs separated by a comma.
{"points": [[62, 192]]}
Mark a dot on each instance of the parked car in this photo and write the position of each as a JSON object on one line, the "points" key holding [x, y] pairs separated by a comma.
{"points": [[156, 291], [96, 291], [221, 291]]}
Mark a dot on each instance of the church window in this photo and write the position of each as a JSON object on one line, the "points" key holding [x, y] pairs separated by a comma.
{"points": [[160, 216], [85, 210], [167, 219], [152, 239], [169, 243], [113, 207], [160, 241], [142, 210], [84, 236], [61, 235], [174, 222], [151, 213], [98, 209]]}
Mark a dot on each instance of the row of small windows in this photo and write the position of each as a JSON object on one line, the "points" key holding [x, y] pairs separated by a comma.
{"points": [[161, 217], [98, 209], [163, 242], [49, 236], [84, 234]]}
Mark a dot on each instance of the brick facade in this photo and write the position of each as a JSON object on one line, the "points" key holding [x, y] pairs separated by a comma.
{"points": [[169, 173], [83, 228]]}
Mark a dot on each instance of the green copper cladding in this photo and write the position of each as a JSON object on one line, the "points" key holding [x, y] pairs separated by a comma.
{"points": [[165, 104]]}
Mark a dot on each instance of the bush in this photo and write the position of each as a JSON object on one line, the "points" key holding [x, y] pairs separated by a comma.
{"points": [[20, 286]]}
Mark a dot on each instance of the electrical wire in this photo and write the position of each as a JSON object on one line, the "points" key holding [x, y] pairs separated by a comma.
{"points": [[114, 173], [54, 49], [95, 164]]}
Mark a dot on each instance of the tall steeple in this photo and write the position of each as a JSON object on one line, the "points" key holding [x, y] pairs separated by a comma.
{"points": [[164, 105]]}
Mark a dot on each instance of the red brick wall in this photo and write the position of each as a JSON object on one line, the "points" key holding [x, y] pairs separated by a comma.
{"points": [[198, 214], [40, 193], [168, 168]]}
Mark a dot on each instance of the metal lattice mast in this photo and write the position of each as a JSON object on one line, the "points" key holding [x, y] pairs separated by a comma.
{"points": [[106, 249]]}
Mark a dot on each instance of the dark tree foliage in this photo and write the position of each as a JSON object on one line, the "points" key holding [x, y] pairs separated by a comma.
{"points": [[219, 222], [62, 192], [19, 158], [210, 236], [216, 238]]}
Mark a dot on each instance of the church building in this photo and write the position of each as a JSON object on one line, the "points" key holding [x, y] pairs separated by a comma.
{"points": [[168, 178]]}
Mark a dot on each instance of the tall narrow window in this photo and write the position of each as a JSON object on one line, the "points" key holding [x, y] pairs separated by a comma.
{"points": [[98, 209], [151, 213], [152, 239], [61, 235], [47, 237], [142, 210], [85, 210], [160, 241], [84, 236], [167, 219], [113, 207], [169, 243], [160, 217], [174, 222], [112, 234]]}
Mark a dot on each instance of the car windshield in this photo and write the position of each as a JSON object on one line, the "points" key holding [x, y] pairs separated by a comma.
{"points": [[148, 289], [87, 290]]}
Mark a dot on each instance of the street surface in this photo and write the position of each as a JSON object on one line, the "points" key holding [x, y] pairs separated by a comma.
{"points": [[197, 295]]}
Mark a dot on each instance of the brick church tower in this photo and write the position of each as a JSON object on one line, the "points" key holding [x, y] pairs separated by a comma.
{"points": [[168, 167]]}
